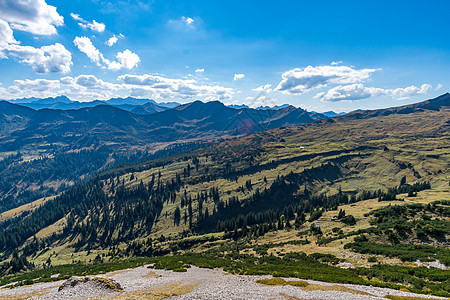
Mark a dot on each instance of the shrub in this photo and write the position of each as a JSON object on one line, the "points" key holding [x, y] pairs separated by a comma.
{"points": [[272, 281], [299, 283], [372, 259]]}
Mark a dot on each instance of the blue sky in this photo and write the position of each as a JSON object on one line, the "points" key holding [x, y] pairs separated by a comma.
{"points": [[320, 55]]}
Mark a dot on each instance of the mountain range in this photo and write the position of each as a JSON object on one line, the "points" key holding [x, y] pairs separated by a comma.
{"points": [[64, 103], [134, 105], [22, 125], [53, 148]]}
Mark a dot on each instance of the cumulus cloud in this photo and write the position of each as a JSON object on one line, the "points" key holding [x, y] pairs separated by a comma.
{"points": [[47, 59], [92, 82], [34, 16], [6, 34], [438, 87], [155, 81], [238, 76], [94, 25], [113, 40], [162, 87], [301, 80], [406, 93], [358, 91], [125, 59], [200, 70], [38, 18], [85, 45], [267, 88], [26, 88], [82, 88], [349, 92], [38, 85], [188, 21]]}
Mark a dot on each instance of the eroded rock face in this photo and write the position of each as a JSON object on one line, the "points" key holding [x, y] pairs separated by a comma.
{"points": [[102, 282]]}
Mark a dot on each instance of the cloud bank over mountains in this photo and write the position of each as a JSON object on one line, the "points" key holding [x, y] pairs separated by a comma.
{"points": [[89, 87]]}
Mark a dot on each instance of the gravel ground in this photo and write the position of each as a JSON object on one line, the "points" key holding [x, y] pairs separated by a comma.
{"points": [[209, 284]]}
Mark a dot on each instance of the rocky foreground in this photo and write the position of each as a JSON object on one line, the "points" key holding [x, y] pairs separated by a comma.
{"points": [[146, 283]]}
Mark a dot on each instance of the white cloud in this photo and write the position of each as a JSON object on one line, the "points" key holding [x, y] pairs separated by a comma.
{"points": [[358, 91], [34, 16], [187, 20], [112, 41], [406, 93], [262, 99], [82, 88], [155, 81], [238, 76], [31, 88], [6, 34], [184, 23], [158, 87], [199, 70], [335, 63], [301, 80], [85, 45], [355, 91], [38, 85], [264, 88], [47, 59], [125, 59], [92, 82], [94, 25], [88, 87], [438, 87]]}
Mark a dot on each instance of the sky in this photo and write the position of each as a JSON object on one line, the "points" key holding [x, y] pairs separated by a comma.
{"points": [[318, 55]]}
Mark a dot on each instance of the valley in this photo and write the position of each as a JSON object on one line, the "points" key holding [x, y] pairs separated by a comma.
{"points": [[43, 152]]}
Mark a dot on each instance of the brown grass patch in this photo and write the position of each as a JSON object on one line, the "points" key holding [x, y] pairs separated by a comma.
{"points": [[117, 272], [288, 297], [297, 283], [281, 281], [161, 292], [109, 283], [24, 296], [151, 274], [392, 297], [335, 287], [272, 281]]}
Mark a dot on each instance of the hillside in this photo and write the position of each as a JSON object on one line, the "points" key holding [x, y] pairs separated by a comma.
{"points": [[45, 151], [351, 191]]}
